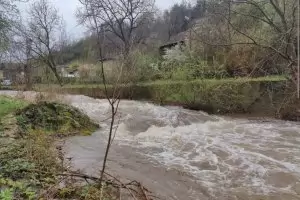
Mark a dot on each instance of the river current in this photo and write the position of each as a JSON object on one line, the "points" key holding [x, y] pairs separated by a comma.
{"points": [[187, 155]]}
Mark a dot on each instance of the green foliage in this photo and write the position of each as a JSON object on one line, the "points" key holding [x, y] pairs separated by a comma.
{"points": [[30, 166], [74, 65], [18, 165], [181, 64], [16, 190], [210, 54], [198, 70], [7, 194], [8, 105], [221, 95], [145, 66], [54, 118]]}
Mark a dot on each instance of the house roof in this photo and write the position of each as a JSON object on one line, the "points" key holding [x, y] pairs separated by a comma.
{"points": [[171, 44]]}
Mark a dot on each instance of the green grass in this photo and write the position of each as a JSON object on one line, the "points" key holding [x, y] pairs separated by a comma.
{"points": [[54, 119], [219, 81], [162, 82], [9, 105]]}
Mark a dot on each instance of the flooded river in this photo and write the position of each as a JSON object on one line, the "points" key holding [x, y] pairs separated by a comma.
{"points": [[188, 155]]}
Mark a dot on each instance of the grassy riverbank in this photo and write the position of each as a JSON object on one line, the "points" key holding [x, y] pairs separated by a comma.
{"points": [[31, 165], [78, 84], [9, 105], [262, 96]]}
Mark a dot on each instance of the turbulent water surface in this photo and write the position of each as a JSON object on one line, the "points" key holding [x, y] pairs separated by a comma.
{"points": [[188, 155]]}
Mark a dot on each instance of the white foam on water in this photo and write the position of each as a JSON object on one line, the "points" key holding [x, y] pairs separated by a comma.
{"points": [[223, 154]]}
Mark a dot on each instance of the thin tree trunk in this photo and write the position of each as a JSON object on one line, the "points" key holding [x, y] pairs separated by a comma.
{"points": [[28, 73], [108, 143]]}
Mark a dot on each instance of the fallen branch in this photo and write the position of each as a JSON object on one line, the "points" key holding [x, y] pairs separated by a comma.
{"points": [[114, 182], [144, 190]]}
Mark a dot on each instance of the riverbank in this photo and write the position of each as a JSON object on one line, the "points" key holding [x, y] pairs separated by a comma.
{"points": [[188, 154], [266, 96], [32, 166], [33, 161]]}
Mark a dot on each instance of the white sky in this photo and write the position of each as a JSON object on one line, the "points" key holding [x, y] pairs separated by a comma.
{"points": [[67, 9]]}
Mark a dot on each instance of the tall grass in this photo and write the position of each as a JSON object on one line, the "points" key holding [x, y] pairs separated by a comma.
{"points": [[8, 105]]}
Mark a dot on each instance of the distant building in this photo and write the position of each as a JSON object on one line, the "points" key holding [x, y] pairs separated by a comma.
{"points": [[163, 48], [179, 39]]}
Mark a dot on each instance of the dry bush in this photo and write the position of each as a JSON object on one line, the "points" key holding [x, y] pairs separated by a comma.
{"points": [[240, 61], [40, 150], [252, 61], [84, 71], [48, 96], [20, 95]]}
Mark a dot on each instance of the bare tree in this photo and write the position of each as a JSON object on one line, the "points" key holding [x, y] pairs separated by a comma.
{"points": [[120, 17], [279, 18], [113, 101], [175, 19], [27, 66], [44, 31], [9, 14]]}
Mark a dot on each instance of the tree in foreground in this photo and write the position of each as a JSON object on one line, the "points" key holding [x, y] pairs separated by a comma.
{"points": [[121, 19]]}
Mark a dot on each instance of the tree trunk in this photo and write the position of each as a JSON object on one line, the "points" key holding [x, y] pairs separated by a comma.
{"points": [[28, 79]]}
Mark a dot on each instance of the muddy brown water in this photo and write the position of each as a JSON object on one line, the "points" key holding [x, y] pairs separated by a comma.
{"points": [[187, 155]]}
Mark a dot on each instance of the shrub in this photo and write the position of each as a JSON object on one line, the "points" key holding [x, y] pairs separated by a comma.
{"points": [[144, 67], [54, 118], [189, 66]]}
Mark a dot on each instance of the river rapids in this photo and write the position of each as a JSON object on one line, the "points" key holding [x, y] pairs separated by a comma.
{"points": [[187, 155]]}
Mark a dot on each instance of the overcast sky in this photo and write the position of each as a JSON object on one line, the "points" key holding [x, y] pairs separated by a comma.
{"points": [[67, 9]]}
